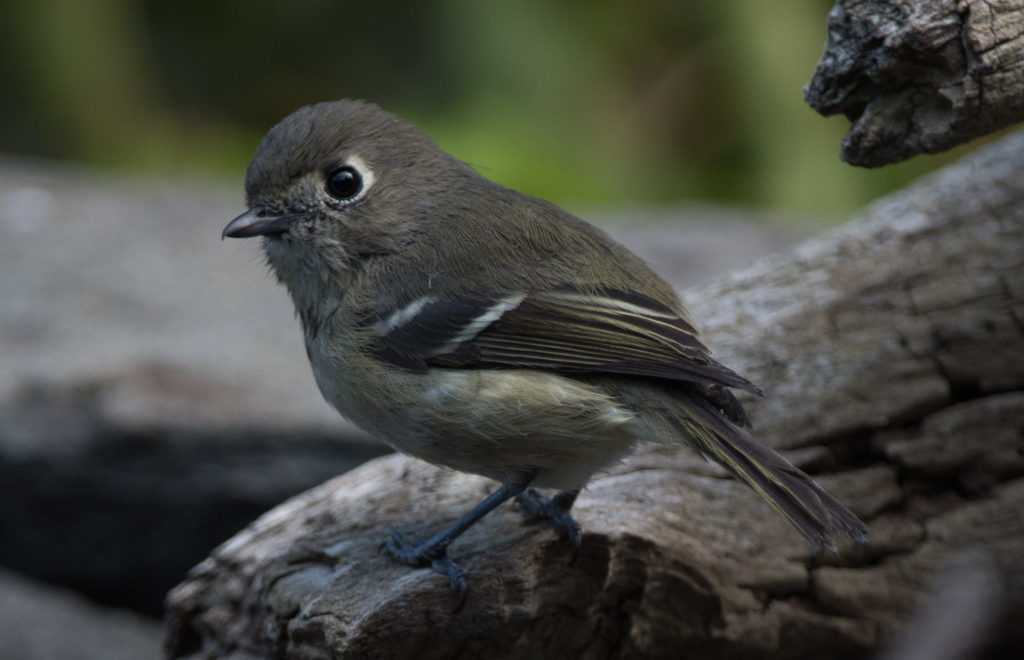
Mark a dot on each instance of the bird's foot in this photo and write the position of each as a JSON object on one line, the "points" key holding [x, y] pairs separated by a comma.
{"points": [[555, 509], [429, 553]]}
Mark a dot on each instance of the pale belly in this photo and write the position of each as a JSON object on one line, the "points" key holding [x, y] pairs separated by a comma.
{"points": [[488, 422]]}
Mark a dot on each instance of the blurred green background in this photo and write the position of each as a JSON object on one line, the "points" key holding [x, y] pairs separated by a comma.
{"points": [[576, 101]]}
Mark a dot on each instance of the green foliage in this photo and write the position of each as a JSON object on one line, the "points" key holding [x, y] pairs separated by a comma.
{"points": [[575, 101]]}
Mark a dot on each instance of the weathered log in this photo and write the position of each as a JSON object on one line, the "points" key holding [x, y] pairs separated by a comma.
{"points": [[920, 76], [892, 355]]}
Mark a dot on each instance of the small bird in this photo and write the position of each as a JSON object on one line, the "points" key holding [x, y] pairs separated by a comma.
{"points": [[482, 329]]}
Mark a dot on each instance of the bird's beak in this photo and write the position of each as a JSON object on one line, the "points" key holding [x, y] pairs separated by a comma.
{"points": [[258, 222]]}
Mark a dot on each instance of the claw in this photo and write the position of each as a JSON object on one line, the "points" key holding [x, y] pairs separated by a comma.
{"points": [[435, 551], [456, 579], [433, 555], [417, 553], [556, 510]]}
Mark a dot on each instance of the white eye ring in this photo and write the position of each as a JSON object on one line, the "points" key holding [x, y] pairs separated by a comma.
{"points": [[348, 183]]}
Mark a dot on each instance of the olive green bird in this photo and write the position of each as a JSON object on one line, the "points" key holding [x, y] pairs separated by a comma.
{"points": [[479, 328]]}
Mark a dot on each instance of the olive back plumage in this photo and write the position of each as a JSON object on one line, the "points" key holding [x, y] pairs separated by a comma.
{"points": [[485, 329]]}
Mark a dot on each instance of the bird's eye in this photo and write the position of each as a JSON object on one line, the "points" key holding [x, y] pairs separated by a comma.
{"points": [[344, 183]]}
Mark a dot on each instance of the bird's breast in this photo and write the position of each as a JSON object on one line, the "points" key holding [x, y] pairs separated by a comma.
{"points": [[484, 421]]}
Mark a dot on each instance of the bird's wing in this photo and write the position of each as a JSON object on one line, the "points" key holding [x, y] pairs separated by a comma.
{"points": [[563, 330]]}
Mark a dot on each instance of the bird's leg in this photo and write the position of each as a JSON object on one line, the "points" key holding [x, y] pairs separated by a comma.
{"points": [[434, 551], [555, 509]]}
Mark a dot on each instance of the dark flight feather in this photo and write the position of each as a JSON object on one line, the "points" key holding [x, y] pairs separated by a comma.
{"points": [[614, 332]]}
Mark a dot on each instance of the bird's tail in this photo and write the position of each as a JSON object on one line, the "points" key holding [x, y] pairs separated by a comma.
{"points": [[815, 513]]}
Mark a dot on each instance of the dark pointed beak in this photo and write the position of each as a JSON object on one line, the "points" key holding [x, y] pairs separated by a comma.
{"points": [[258, 222]]}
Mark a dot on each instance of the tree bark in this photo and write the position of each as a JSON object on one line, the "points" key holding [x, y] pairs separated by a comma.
{"points": [[920, 76], [892, 355]]}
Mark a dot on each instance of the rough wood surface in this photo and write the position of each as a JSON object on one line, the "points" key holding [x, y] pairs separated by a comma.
{"points": [[892, 354], [920, 76]]}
